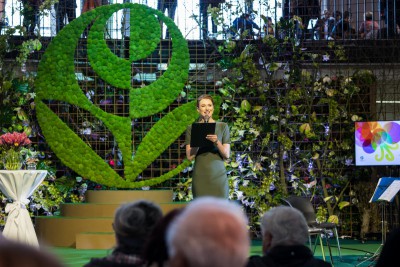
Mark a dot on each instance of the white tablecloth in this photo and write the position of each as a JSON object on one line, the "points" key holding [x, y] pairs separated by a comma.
{"points": [[19, 186]]}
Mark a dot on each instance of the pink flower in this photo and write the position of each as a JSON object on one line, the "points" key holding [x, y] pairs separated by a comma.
{"points": [[14, 140], [327, 186]]}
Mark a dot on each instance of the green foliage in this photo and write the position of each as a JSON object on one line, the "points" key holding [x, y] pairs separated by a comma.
{"points": [[183, 190], [17, 111], [50, 194], [291, 127], [16, 94]]}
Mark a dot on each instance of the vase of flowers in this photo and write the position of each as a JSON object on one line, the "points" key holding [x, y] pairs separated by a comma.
{"points": [[11, 144], [30, 158], [12, 160]]}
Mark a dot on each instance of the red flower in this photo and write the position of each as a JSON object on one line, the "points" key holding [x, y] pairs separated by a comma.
{"points": [[327, 186], [14, 140]]}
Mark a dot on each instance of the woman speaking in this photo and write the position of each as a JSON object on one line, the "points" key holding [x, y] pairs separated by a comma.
{"points": [[209, 173]]}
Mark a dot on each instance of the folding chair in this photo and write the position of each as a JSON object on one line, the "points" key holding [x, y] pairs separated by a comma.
{"points": [[315, 228]]}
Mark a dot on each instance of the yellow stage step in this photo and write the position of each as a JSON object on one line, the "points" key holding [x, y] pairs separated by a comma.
{"points": [[89, 225], [105, 209], [123, 196], [95, 240], [61, 231]]}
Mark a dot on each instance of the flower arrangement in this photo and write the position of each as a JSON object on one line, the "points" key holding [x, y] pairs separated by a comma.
{"points": [[11, 144], [30, 157], [14, 140]]}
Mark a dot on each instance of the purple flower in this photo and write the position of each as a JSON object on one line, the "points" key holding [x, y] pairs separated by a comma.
{"points": [[348, 162]]}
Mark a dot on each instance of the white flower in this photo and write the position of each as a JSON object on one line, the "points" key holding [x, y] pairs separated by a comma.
{"points": [[218, 83], [239, 195], [241, 133], [326, 79], [90, 94], [317, 86], [325, 58], [355, 118], [330, 92], [31, 95], [273, 118], [348, 80], [245, 202], [295, 185], [246, 182], [312, 184], [348, 161], [225, 106]]}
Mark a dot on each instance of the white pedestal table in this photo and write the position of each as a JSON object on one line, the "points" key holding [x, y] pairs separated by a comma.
{"points": [[19, 185]]}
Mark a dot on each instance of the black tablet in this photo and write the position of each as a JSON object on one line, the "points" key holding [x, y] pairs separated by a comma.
{"points": [[199, 133]]}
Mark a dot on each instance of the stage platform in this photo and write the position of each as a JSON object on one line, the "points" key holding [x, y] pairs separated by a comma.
{"points": [[354, 253]]}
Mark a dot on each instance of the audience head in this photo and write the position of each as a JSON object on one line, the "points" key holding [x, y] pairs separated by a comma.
{"points": [[155, 249], [327, 14], [283, 226], [346, 15], [338, 14], [246, 16], [209, 232], [368, 16], [15, 254], [134, 221]]}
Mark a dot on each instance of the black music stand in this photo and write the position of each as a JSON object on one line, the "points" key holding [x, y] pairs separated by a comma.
{"points": [[384, 193]]}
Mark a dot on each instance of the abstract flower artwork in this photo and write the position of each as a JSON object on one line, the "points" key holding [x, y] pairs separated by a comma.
{"points": [[377, 143]]}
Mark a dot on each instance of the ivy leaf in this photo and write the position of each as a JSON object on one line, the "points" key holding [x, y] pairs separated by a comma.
{"points": [[234, 164], [273, 66], [245, 106], [333, 219], [305, 128], [343, 204]]}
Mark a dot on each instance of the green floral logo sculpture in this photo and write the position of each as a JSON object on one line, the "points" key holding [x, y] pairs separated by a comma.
{"points": [[56, 81]]}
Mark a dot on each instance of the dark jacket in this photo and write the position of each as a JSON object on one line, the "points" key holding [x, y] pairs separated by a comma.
{"points": [[116, 259], [287, 256]]}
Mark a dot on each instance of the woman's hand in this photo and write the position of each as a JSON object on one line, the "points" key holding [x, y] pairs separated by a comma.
{"points": [[212, 137], [191, 152], [224, 149]]}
